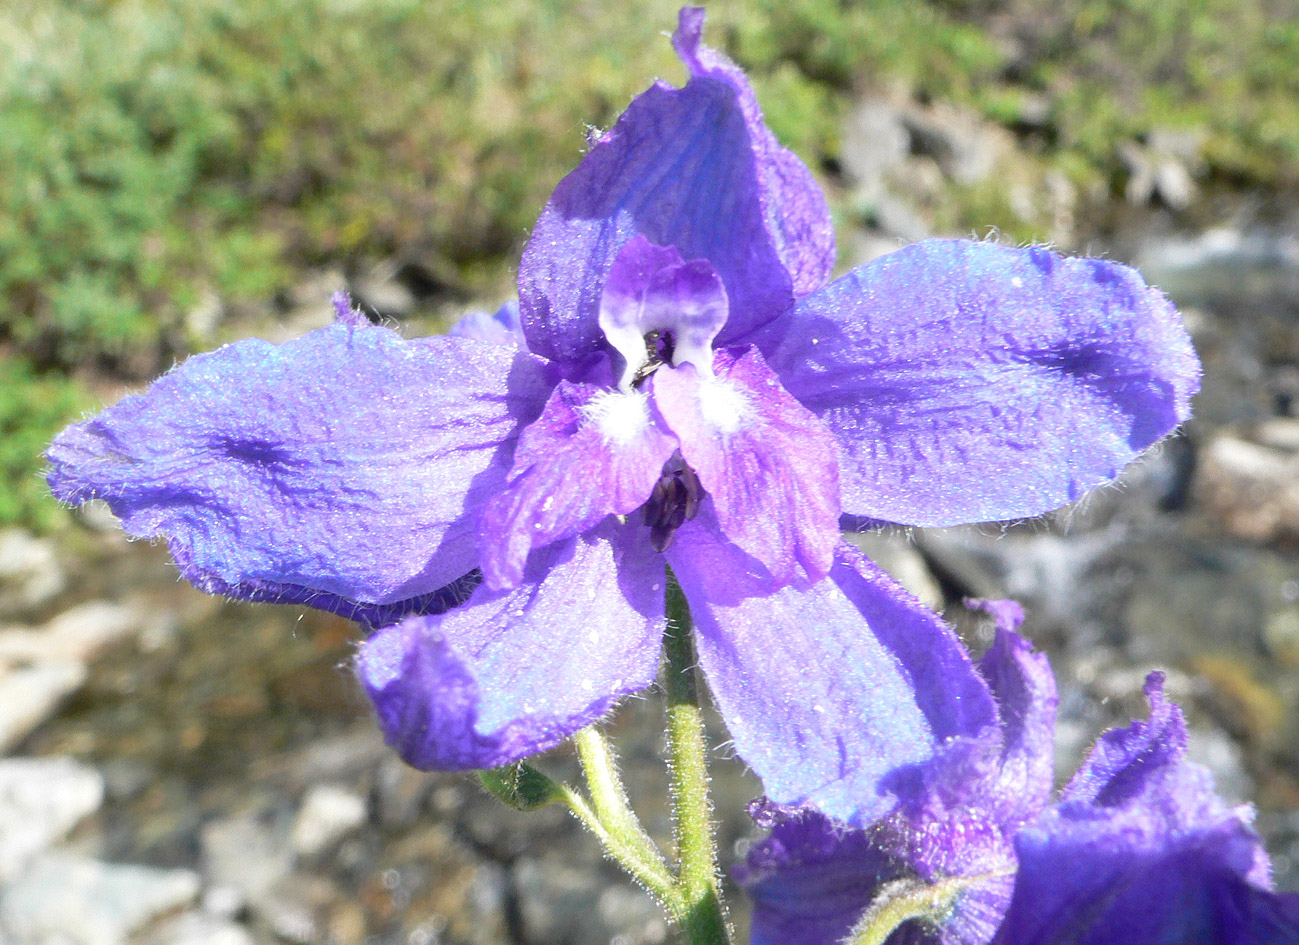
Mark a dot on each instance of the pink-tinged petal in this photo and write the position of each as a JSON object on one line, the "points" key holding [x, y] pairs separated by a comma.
{"points": [[650, 288], [592, 453], [694, 168], [512, 673], [834, 692], [972, 382], [768, 463], [349, 464]]}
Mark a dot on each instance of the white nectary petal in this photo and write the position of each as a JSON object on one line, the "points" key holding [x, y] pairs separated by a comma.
{"points": [[620, 417]]}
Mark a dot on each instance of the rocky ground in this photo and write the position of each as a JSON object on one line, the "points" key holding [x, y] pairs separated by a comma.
{"points": [[180, 770]]}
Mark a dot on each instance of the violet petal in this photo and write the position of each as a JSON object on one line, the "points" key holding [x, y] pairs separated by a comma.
{"points": [[512, 673], [592, 453], [694, 168], [831, 691], [348, 463], [971, 382]]}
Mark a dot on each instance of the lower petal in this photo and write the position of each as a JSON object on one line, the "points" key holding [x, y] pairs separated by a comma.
{"points": [[510, 674], [592, 453], [831, 692]]}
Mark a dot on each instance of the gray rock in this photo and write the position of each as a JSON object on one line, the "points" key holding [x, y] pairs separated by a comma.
{"points": [[41, 799], [875, 140], [555, 904], [895, 553], [197, 928], [1251, 489], [328, 814], [963, 147], [76, 635], [31, 694], [244, 859], [70, 900], [30, 575]]}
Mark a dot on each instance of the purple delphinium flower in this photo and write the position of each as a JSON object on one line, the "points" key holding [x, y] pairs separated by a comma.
{"points": [[1137, 849], [682, 388]]}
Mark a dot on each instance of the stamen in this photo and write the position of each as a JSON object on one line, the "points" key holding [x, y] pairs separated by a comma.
{"points": [[673, 502]]}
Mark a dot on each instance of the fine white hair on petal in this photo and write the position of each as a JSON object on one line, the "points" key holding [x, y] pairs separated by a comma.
{"points": [[723, 405], [620, 416]]}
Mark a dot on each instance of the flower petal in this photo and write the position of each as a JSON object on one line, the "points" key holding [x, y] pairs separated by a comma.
{"points": [[831, 691], [694, 168], [811, 880], [767, 462], [510, 674], [973, 382], [651, 288], [1024, 688], [500, 327], [346, 466], [1139, 849], [592, 453]]}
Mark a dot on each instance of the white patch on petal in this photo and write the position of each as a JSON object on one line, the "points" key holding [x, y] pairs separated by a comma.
{"points": [[620, 417], [724, 406]]}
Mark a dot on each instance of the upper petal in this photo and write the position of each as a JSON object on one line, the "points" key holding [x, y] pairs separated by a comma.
{"points": [[767, 462], [693, 168], [830, 692], [512, 673], [592, 453], [349, 463], [974, 382], [651, 288]]}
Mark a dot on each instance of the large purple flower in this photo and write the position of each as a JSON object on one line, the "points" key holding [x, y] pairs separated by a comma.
{"points": [[683, 389], [1137, 849]]}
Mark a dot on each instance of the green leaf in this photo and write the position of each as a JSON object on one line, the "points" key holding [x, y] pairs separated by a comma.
{"points": [[521, 786]]}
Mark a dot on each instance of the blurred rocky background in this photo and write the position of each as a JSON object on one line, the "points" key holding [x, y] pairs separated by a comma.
{"points": [[174, 174]]}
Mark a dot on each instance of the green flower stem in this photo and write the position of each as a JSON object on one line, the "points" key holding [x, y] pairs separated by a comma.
{"points": [[907, 899], [635, 850], [704, 918]]}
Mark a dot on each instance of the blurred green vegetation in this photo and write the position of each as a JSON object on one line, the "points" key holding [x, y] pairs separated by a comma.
{"points": [[156, 153]]}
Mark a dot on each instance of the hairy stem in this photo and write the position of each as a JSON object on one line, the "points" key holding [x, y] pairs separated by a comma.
{"points": [[635, 850], [704, 918], [906, 899]]}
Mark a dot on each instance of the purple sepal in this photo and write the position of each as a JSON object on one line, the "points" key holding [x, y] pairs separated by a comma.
{"points": [[832, 691], [693, 168], [651, 288], [792, 202], [971, 382], [767, 462], [592, 453], [348, 464], [499, 328], [509, 674]]}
